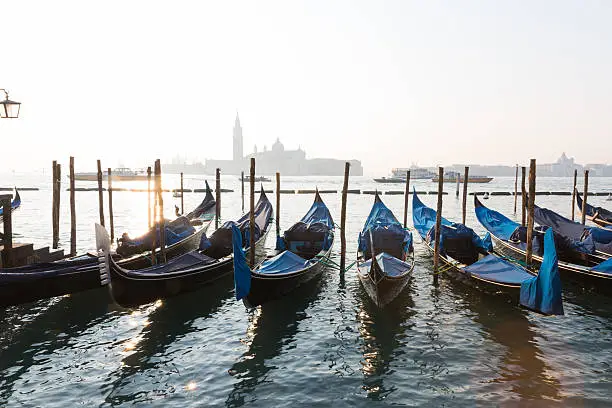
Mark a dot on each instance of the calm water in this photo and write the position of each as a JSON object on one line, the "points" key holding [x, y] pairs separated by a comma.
{"points": [[326, 344]]}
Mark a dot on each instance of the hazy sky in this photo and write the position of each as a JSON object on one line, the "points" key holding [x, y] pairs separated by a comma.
{"points": [[388, 82]]}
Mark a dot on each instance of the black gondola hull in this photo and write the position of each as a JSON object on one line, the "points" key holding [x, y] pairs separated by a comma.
{"points": [[386, 289], [265, 288], [86, 277], [569, 272], [129, 291]]}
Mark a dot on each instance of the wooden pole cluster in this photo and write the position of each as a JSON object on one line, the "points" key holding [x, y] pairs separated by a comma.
{"points": [[277, 204], [438, 224], [515, 188], [242, 184], [347, 167], [406, 195], [100, 194], [458, 183], [465, 193], [584, 196], [523, 196], [72, 210], [217, 197], [7, 241], [55, 205], [110, 204], [182, 194], [160, 202], [574, 193], [154, 221], [252, 216], [149, 225], [530, 220]]}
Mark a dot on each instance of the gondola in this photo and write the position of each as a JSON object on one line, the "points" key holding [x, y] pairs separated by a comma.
{"points": [[598, 215], [211, 261], [385, 255], [596, 242], [14, 204], [304, 251], [469, 258], [510, 237], [44, 280]]}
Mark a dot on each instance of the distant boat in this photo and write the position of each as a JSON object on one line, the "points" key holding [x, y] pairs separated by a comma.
{"points": [[451, 177], [257, 178], [398, 175], [118, 174]]}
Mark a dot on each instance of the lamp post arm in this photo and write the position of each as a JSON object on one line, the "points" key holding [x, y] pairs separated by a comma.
{"points": [[5, 93]]}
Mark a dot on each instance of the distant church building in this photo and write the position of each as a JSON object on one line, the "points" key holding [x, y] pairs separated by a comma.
{"points": [[238, 142], [277, 159]]}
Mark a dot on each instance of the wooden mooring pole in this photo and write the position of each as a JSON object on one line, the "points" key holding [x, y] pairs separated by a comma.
{"points": [[182, 193], [277, 204], [72, 210], [110, 204], [584, 196], [574, 193], [458, 183], [7, 220], [155, 223], [465, 193], [406, 195], [160, 201], [55, 188], [242, 184], [100, 194], [515, 188], [149, 225], [523, 196], [530, 220], [438, 224], [252, 215], [217, 197], [347, 168]]}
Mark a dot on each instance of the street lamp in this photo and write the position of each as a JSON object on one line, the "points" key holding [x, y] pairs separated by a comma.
{"points": [[9, 109]]}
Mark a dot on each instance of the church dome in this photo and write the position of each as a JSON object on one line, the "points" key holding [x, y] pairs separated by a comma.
{"points": [[278, 146]]}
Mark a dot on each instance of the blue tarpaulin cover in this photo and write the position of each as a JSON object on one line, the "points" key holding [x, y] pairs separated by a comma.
{"points": [[543, 292], [605, 267], [312, 232], [600, 238], [593, 211], [284, 262], [496, 223], [389, 265], [242, 272], [14, 204], [177, 264], [205, 208], [423, 217], [456, 240], [318, 213], [495, 269], [384, 230]]}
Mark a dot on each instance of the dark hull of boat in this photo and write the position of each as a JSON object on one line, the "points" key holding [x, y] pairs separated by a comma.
{"points": [[265, 288], [128, 290], [577, 273], [85, 277], [453, 269], [386, 290], [390, 180]]}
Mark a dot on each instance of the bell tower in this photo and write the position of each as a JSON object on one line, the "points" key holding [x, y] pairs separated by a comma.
{"points": [[238, 150]]}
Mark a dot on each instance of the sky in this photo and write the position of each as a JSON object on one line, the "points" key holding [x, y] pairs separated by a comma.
{"points": [[391, 83]]}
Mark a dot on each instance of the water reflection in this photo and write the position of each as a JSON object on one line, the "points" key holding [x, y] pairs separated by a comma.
{"points": [[520, 368], [147, 351], [383, 332], [272, 327], [33, 331]]}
